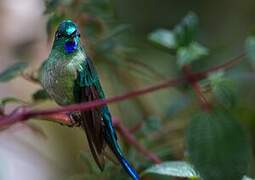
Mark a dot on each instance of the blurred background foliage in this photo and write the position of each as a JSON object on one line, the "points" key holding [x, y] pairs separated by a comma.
{"points": [[139, 43]]}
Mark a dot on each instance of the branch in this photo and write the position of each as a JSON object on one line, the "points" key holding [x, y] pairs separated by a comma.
{"points": [[193, 81], [22, 114], [225, 66], [193, 78], [61, 118], [26, 114]]}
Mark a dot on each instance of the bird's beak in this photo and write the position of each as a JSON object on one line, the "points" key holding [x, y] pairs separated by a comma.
{"points": [[72, 36], [71, 40]]}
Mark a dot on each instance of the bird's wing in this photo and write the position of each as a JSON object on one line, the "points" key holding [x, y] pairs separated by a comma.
{"points": [[85, 90], [109, 132], [105, 111], [100, 131]]}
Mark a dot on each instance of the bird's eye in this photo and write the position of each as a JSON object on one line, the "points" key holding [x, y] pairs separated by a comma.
{"points": [[79, 34], [58, 35]]}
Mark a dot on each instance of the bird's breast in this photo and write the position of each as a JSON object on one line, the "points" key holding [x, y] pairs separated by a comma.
{"points": [[58, 79]]}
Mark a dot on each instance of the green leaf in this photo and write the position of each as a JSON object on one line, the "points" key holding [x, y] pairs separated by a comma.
{"points": [[12, 71], [250, 47], [223, 89], [186, 55], [40, 95], [173, 168], [186, 31], [7, 100], [182, 35], [247, 178], [218, 146], [164, 38]]}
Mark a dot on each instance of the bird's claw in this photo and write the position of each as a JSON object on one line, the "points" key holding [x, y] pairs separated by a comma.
{"points": [[74, 121]]}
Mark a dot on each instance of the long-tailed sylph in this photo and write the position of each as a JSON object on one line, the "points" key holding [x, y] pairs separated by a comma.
{"points": [[69, 76]]}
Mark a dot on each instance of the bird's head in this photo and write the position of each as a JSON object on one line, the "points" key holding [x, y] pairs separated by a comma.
{"points": [[67, 36]]}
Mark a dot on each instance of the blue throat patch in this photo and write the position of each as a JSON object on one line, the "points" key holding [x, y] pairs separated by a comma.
{"points": [[70, 46]]}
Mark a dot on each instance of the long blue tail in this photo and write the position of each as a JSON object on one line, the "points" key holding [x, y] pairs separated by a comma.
{"points": [[129, 169], [112, 142], [124, 163], [111, 139]]}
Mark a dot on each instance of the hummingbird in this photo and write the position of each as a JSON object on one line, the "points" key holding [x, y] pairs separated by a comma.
{"points": [[69, 76]]}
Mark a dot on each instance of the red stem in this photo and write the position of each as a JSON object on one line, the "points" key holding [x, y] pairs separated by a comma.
{"points": [[24, 115], [9, 119], [228, 64], [204, 102], [61, 118], [196, 87]]}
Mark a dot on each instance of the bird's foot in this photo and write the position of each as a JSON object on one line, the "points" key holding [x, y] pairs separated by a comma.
{"points": [[74, 119]]}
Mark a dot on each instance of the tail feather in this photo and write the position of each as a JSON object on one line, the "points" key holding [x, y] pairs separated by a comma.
{"points": [[111, 139], [124, 163], [129, 169]]}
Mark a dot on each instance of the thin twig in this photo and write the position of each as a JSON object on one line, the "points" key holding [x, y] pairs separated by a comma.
{"points": [[61, 118], [225, 66], [193, 81], [24, 115]]}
